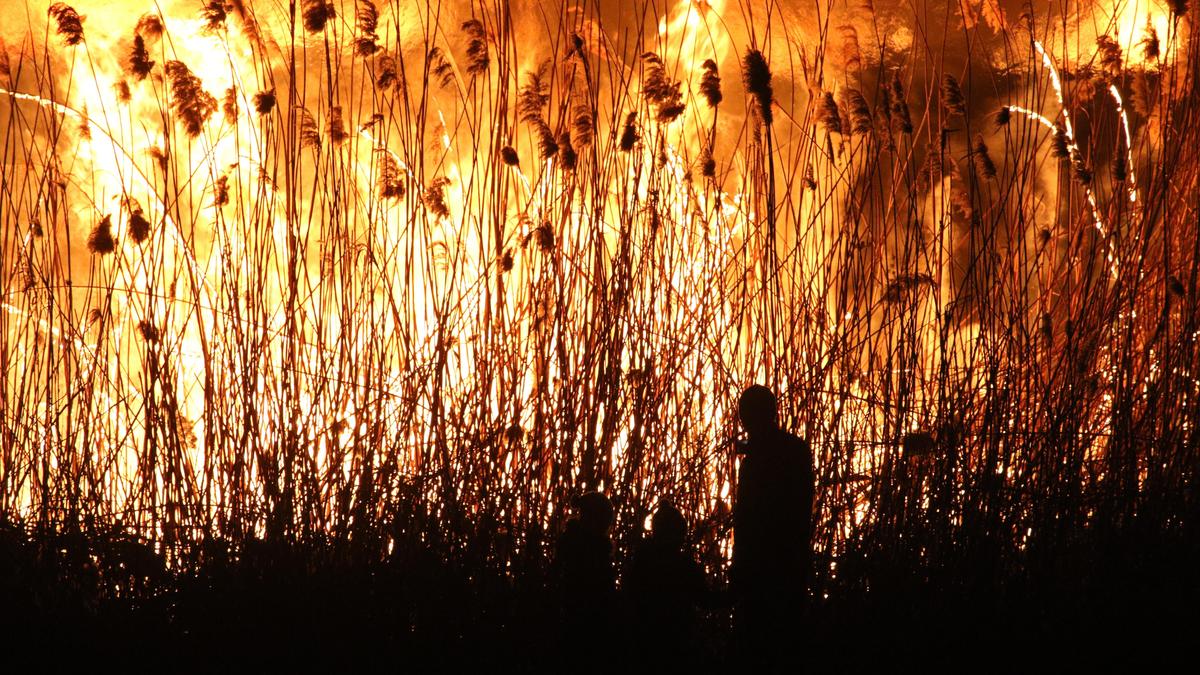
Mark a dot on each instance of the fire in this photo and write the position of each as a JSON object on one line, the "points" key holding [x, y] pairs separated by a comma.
{"points": [[392, 254]]}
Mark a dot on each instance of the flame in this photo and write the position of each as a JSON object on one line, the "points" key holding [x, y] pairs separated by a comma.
{"points": [[287, 316]]}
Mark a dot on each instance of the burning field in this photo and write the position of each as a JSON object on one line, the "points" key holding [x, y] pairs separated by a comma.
{"points": [[333, 294]]}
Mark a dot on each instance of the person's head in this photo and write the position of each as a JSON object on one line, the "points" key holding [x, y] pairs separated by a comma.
{"points": [[758, 410], [668, 525], [595, 512]]}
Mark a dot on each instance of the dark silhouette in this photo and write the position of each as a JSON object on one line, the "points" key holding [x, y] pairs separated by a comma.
{"points": [[667, 588], [772, 522], [584, 561]]}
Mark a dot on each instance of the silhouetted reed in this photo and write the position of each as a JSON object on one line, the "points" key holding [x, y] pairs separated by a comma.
{"points": [[414, 290]]}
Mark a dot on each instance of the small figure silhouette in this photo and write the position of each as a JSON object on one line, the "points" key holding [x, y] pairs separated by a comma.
{"points": [[584, 561], [667, 587], [772, 522]]}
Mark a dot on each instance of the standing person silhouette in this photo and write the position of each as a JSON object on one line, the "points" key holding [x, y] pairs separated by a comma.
{"points": [[668, 589], [772, 521], [584, 558]]}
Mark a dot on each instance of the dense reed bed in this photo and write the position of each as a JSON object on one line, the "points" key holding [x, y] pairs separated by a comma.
{"points": [[378, 282]]}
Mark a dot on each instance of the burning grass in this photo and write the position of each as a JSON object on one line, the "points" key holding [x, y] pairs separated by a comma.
{"points": [[445, 276]]}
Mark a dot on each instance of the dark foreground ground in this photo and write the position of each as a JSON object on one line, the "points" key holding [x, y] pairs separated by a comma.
{"points": [[310, 609]]}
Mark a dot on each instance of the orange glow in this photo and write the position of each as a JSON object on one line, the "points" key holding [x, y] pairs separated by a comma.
{"points": [[385, 285]]}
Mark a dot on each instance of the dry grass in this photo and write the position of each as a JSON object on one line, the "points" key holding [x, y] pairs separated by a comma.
{"points": [[402, 285]]}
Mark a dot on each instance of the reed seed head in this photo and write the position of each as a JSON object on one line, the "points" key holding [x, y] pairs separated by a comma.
{"points": [[756, 76], [193, 106], [221, 191], [440, 68], [1109, 51], [659, 90], [316, 14], [390, 182], [310, 136], [435, 197], [828, 114], [139, 59], [859, 112], [229, 105], [952, 96], [387, 73], [366, 20], [901, 117], [149, 26], [566, 151], [629, 133], [547, 145], [983, 160], [477, 49], [148, 331], [70, 24], [1149, 43], [139, 227], [710, 83], [335, 126], [264, 102], [214, 13], [101, 241]]}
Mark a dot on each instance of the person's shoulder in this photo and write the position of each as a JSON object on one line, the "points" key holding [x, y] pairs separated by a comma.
{"points": [[791, 440], [798, 452]]}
